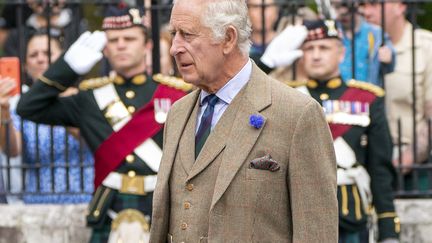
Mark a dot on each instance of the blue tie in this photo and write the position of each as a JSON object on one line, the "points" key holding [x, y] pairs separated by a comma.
{"points": [[205, 124]]}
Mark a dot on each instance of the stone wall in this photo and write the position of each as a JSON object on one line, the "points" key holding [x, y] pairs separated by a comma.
{"points": [[43, 224], [66, 224]]}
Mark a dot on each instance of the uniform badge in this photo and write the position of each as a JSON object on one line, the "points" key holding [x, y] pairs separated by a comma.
{"points": [[161, 108]]}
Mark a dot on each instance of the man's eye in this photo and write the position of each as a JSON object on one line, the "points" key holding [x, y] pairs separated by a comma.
{"points": [[186, 34]]}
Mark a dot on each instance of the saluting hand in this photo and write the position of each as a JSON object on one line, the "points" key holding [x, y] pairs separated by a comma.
{"points": [[284, 49], [86, 51]]}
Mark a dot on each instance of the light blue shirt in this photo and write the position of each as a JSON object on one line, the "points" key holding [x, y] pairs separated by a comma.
{"points": [[226, 94]]}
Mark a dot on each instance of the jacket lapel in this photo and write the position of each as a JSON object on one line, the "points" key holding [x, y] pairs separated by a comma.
{"points": [[242, 138], [217, 139], [178, 123], [187, 141]]}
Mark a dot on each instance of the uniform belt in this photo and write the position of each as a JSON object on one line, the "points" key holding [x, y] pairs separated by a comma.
{"points": [[356, 176], [130, 183], [343, 178]]}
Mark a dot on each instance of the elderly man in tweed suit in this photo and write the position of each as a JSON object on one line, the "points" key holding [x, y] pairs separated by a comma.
{"points": [[246, 158]]}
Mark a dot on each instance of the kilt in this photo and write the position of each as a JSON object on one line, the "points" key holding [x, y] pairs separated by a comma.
{"points": [[120, 202]]}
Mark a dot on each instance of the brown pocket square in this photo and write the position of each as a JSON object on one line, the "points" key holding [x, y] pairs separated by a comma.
{"points": [[265, 163]]}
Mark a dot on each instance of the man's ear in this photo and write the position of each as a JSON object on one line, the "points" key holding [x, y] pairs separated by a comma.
{"points": [[230, 42]]}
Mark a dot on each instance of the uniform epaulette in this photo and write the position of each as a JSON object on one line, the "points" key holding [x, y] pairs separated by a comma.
{"points": [[94, 83], [172, 81], [294, 83], [378, 91]]}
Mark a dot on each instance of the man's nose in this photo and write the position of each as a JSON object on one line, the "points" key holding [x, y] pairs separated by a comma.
{"points": [[316, 54], [121, 43], [177, 45]]}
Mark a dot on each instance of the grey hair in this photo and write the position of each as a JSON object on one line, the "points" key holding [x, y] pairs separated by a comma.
{"points": [[220, 14]]}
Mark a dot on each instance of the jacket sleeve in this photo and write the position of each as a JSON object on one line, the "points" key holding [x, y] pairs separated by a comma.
{"points": [[42, 103], [312, 179], [381, 170]]}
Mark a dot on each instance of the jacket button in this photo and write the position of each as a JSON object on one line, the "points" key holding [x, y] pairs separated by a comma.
{"points": [[187, 205], [131, 173], [130, 158], [183, 226], [189, 187], [131, 109], [130, 94]]}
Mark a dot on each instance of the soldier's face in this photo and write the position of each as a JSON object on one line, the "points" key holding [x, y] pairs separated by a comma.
{"points": [[322, 57], [37, 60], [126, 50], [199, 58]]}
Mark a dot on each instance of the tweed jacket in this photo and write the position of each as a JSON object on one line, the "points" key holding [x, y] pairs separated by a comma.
{"points": [[296, 203]]}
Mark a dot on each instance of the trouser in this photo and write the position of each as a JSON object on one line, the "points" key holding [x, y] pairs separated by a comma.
{"points": [[361, 236]]}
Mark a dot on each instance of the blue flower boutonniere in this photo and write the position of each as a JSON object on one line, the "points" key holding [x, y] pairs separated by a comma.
{"points": [[256, 121]]}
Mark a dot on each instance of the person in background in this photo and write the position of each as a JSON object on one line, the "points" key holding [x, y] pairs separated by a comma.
{"points": [[271, 15], [362, 143], [294, 72], [399, 87], [4, 32], [246, 158], [120, 116], [372, 59], [62, 24], [44, 184]]}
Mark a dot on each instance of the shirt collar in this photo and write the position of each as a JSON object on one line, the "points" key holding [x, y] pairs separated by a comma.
{"points": [[233, 86]]}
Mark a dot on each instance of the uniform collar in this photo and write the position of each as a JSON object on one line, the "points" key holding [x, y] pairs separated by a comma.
{"points": [[333, 83], [137, 79]]}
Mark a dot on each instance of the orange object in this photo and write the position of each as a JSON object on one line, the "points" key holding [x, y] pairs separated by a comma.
{"points": [[10, 67]]}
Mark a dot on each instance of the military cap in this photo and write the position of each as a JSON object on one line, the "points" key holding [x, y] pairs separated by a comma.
{"points": [[122, 17], [321, 29]]}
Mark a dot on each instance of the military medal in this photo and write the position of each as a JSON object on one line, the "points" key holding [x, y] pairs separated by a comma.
{"points": [[347, 112], [161, 108]]}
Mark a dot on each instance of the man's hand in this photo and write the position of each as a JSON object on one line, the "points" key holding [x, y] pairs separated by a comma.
{"points": [[86, 51], [283, 50], [407, 160], [385, 54]]}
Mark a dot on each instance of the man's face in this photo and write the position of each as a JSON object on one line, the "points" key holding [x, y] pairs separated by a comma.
{"points": [[392, 11], [322, 57], [198, 56], [126, 50]]}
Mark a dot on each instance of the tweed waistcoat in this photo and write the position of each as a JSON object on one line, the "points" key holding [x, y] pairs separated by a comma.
{"points": [[191, 200]]}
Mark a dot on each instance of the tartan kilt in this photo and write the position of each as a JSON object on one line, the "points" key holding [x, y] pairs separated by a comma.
{"points": [[120, 202]]}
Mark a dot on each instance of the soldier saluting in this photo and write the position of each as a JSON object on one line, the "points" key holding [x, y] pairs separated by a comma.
{"points": [[356, 116], [120, 116]]}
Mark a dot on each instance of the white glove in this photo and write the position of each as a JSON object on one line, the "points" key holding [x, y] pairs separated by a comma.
{"points": [[85, 52], [283, 50]]}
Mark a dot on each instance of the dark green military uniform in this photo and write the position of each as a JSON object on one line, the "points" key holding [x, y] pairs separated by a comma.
{"points": [[42, 104], [356, 116]]}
